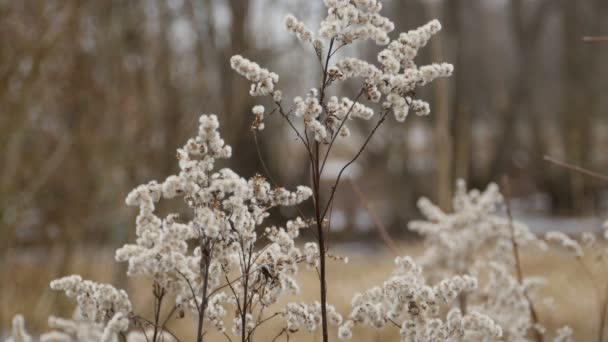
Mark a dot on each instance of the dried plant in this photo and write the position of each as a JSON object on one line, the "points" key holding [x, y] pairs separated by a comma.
{"points": [[319, 119], [217, 262], [475, 240], [215, 259], [406, 302]]}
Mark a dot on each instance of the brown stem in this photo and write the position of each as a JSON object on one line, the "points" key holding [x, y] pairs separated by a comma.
{"points": [[247, 264], [159, 294], [335, 186], [520, 278], [164, 325], [286, 117], [260, 322], [317, 204], [204, 263], [140, 319], [284, 331], [337, 132]]}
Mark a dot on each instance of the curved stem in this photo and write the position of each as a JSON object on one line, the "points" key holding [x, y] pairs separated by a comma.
{"points": [[331, 143], [335, 186]]}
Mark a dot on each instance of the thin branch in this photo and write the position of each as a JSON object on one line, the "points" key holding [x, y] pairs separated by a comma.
{"points": [[227, 336], [284, 331], [262, 322], [205, 261], [140, 318], [169, 317], [191, 289], [257, 147], [316, 175], [395, 323], [335, 187], [159, 294], [578, 169], [274, 182], [595, 39], [338, 48], [286, 117], [518, 268], [236, 297], [337, 132], [382, 231]]}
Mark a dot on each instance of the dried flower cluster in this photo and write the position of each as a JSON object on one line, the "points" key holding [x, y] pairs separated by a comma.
{"points": [[406, 302], [396, 77], [231, 264], [454, 239], [475, 240], [98, 303]]}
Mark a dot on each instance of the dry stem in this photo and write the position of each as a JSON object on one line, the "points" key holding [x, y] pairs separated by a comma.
{"points": [[518, 268]]}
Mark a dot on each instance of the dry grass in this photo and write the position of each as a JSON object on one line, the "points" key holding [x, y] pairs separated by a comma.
{"points": [[25, 289]]}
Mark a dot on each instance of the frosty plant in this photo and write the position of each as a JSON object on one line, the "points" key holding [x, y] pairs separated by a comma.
{"points": [[406, 303], [475, 240], [318, 119], [210, 261]]}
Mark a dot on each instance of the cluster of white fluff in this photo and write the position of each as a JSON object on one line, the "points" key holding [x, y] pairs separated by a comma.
{"points": [[569, 243], [216, 251], [258, 123], [227, 209], [299, 315], [407, 302], [98, 303], [297, 28], [474, 240], [563, 335], [263, 81], [348, 21], [454, 239], [76, 329], [18, 333], [79, 329], [338, 110], [504, 299], [396, 77], [309, 109]]}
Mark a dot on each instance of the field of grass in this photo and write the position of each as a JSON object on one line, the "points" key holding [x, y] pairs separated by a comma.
{"points": [[24, 290]]}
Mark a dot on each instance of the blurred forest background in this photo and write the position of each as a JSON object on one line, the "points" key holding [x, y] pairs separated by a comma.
{"points": [[95, 96]]}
